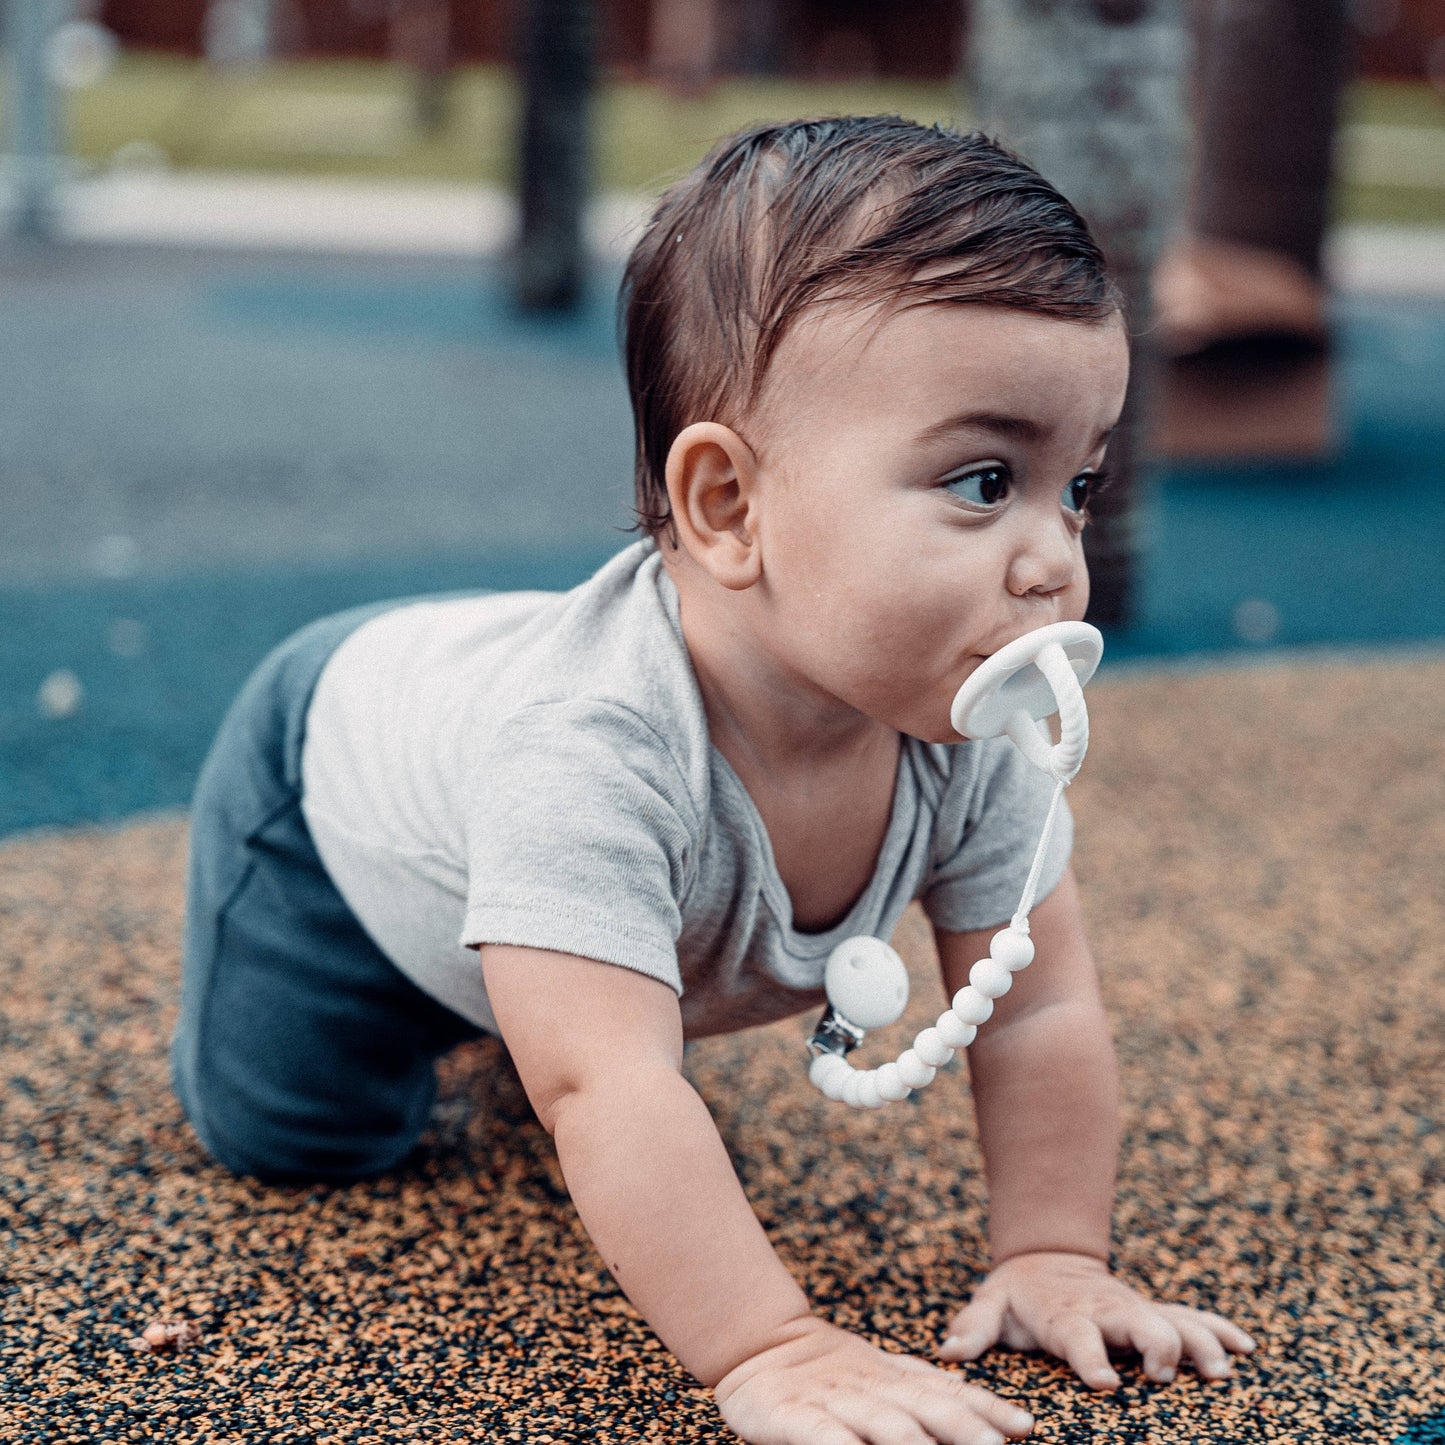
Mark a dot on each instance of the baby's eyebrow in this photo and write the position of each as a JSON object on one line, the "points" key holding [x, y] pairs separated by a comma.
{"points": [[1015, 428]]}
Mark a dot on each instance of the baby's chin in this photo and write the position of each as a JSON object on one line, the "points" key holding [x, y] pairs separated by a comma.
{"points": [[929, 718], [926, 730]]}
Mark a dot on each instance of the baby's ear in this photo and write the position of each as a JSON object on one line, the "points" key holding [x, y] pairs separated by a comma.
{"points": [[713, 487]]}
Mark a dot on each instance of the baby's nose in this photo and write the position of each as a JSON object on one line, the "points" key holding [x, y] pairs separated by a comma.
{"points": [[1044, 567]]}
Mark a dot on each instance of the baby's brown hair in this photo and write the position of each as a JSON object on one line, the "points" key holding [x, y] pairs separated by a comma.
{"points": [[780, 218]]}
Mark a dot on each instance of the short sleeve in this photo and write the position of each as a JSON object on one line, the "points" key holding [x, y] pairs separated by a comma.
{"points": [[579, 836], [990, 820]]}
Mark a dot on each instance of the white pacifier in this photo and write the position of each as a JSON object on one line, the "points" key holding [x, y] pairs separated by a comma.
{"points": [[1036, 675], [1011, 693]]}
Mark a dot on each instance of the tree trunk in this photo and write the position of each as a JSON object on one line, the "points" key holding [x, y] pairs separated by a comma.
{"points": [[557, 77], [1092, 93]]}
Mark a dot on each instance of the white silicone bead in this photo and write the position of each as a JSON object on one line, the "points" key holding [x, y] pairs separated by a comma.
{"points": [[853, 1089], [1012, 949], [953, 1031], [830, 1074], [913, 1071], [991, 978], [930, 1047], [820, 1068], [972, 1006], [890, 1084], [868, 1095]]}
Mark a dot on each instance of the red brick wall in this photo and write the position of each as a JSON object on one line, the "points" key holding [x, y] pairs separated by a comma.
{"points": [[1402, 39], [912, 38], [155, 24]]}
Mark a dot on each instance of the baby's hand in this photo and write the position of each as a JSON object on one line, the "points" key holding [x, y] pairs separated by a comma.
{"points": [[1071, 1306], [823, 1386]]}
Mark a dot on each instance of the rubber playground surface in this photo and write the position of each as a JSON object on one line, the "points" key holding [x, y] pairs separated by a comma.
{"points": [[200, 453]]}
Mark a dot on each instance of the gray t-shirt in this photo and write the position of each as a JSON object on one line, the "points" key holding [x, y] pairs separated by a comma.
{"points": [[535, 768]]}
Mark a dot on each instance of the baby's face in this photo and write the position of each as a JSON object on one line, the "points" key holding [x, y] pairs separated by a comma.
{"points": [[922, 484]]}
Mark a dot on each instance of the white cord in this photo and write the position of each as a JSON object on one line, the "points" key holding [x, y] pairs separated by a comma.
{"points": [[1020, 920]]}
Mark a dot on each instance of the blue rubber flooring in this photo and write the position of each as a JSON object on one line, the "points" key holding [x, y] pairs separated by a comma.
{"points": [[1427, 1432], [201, 452]]}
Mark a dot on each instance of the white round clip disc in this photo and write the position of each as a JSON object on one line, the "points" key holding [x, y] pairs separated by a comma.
{"points": [[1008, 682], [866, 982]]}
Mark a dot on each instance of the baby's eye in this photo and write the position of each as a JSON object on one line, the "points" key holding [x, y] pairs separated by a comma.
{"points": [[983, 486], [1078, 492]]}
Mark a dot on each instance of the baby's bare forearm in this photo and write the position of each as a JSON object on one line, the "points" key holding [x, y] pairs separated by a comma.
{"points": [[1046, 1091], [657, 1193]]}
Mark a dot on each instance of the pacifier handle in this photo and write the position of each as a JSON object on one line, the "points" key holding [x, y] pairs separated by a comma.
{"points": [[1064, 758]]}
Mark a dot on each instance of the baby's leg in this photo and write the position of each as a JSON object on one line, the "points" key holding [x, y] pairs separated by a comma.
{"points": [[301, 1052]]}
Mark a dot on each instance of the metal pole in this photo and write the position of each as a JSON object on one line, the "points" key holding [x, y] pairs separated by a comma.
{"points": [[558, 64], [32, 117]]}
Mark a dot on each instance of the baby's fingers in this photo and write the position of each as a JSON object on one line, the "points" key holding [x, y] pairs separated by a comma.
{"points": [[986, 1419], [952, 1409], [1207, 1338], [1158, 1342], [1226, 1331], [975, 1327], [961, 1415], [881, 1422], [809, 1425], [1077, 1340]]}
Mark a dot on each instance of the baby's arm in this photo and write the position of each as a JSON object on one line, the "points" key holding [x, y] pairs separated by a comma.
{"points": [[1046, 1088], [1046, 1092], [599, 1049]]}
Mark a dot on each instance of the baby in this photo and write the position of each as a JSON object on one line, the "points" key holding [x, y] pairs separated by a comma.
{"points": [[874, 368]]}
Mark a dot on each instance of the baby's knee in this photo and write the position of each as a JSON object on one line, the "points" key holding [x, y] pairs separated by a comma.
{"points": [[278, 1156], [281, 1140]]}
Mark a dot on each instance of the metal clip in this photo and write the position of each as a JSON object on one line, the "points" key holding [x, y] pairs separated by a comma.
{"points": [[834, 1035]]}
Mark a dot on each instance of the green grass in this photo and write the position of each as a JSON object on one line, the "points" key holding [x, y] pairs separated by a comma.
{"points": [[1394, 103], [354, 118], [648, 137]]}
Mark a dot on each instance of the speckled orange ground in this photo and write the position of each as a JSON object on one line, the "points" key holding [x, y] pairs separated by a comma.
{"points": [[1263, 854]]}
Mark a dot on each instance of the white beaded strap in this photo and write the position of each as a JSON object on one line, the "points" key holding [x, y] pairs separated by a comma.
{"points": [[1010, 950], [1025, 681]]}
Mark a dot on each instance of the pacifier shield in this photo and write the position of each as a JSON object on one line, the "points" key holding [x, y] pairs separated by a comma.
{"points": [[1009, 682]]}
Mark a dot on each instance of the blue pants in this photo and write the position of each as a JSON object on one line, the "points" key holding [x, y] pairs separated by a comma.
{"points": [[301, 1052]]}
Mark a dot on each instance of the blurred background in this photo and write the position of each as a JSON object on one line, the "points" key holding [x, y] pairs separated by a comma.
{"points": [[307, 302]]}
